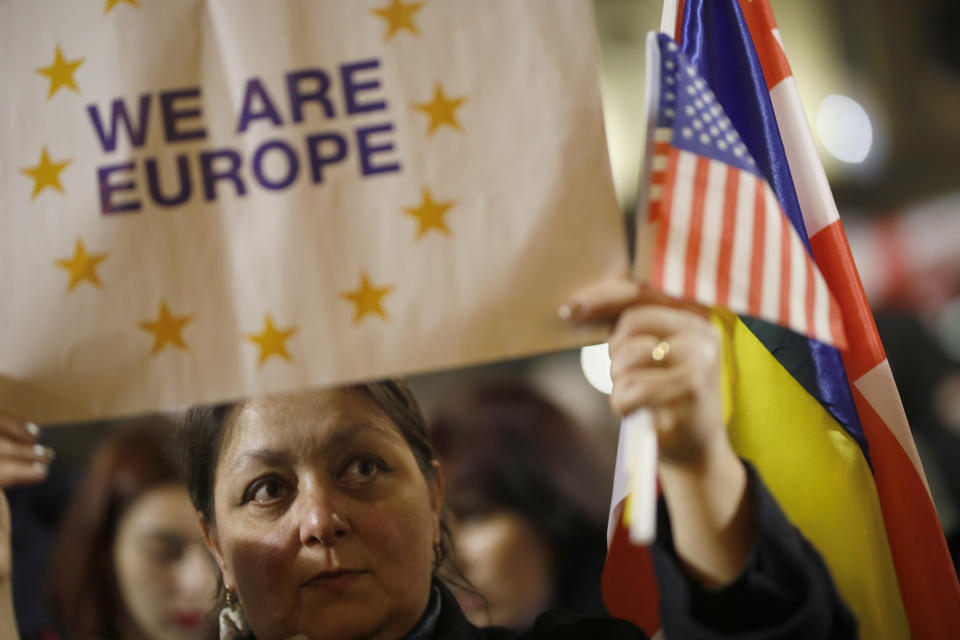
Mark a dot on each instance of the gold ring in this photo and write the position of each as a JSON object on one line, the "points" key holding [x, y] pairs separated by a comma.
{"points": [[660, 351]]}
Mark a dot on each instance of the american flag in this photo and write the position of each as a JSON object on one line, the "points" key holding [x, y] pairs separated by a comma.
{"points": [[719, 234]]}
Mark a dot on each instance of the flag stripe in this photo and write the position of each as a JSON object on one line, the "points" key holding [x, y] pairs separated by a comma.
{"points": [[740, 273], [786, 283], [757, 264], [759, 17], [661, 150], [817, 206], [724, 262], [798, 283], [678, 222], [695, 226], [629, 585], [811, 299], [771, 255], [663, 208], [706, 291], [678, 6]]}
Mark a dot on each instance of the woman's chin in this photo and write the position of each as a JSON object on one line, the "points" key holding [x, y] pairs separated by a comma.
{"points": [[340, 620], [476, 610]]}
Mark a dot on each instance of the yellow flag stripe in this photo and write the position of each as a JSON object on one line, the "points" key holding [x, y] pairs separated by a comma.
{"points": [[818, 475]]}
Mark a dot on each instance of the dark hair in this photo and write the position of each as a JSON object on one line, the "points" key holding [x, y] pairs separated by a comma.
{"points": [[504, 446], [84, 594], [204, 428]]}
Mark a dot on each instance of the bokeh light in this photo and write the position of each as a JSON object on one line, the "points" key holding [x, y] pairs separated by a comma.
{"points": [[845, 128]]}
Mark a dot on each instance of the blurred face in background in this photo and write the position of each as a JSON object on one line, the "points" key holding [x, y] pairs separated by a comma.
{"points": [[166, 577], [510, 563], [527, 498]]}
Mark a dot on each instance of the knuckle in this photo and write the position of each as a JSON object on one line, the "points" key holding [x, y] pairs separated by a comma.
{"points": [[628, 354], [615, 403], [623, 397], [708, 347], [634, 319]]}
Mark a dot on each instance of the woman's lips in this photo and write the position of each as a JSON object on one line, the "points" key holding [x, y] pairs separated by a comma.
{"points": [[470, 601], [189, 620], [334, 580]]}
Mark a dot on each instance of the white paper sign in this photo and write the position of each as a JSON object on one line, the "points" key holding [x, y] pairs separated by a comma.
{"points": [[208, 200]]}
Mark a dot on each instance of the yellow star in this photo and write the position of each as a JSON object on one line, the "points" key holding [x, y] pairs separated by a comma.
{"points": [[367, 298], [399, 15], [82, 266], [45, 174], [112, 3], [441, 109], [272, 341], [60, 72], [166, 329], [430, 214]]}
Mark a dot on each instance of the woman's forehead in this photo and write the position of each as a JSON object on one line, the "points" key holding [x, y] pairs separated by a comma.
{"points": [[320, 417], [166, 508]]}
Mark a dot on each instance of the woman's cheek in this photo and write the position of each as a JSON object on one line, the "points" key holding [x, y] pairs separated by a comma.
{"points": [[401, 534], [260, 561]]}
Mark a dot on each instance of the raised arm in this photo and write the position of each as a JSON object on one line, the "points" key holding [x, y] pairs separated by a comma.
{"points": [[728, 561]]}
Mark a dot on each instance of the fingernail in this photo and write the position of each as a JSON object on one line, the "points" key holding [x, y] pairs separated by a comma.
{"points": [[40, 468], [46, 452], [569, 311], [32, 429]]}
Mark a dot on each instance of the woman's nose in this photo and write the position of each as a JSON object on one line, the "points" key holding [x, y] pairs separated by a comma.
{"points": [[322, 521]]}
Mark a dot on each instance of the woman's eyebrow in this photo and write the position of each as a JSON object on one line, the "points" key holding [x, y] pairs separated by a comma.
{"points": [[167, 537], [264, 456], [338, 437], [346, 433]]}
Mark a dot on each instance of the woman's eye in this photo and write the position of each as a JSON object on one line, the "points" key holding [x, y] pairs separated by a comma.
{"points": [[363, 469], [266, 490], [164, 551]]}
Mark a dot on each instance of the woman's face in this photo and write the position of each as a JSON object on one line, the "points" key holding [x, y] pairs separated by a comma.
{"points": [[325, 524], [510, 564], [164, 572]]}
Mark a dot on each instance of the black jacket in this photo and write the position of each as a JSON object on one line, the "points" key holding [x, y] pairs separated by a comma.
{"points": [[784, 591]]}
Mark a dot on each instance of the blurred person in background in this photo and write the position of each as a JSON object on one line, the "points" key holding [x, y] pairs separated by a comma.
{"points": [[129, 561], [529, 504], [928, 378]]}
